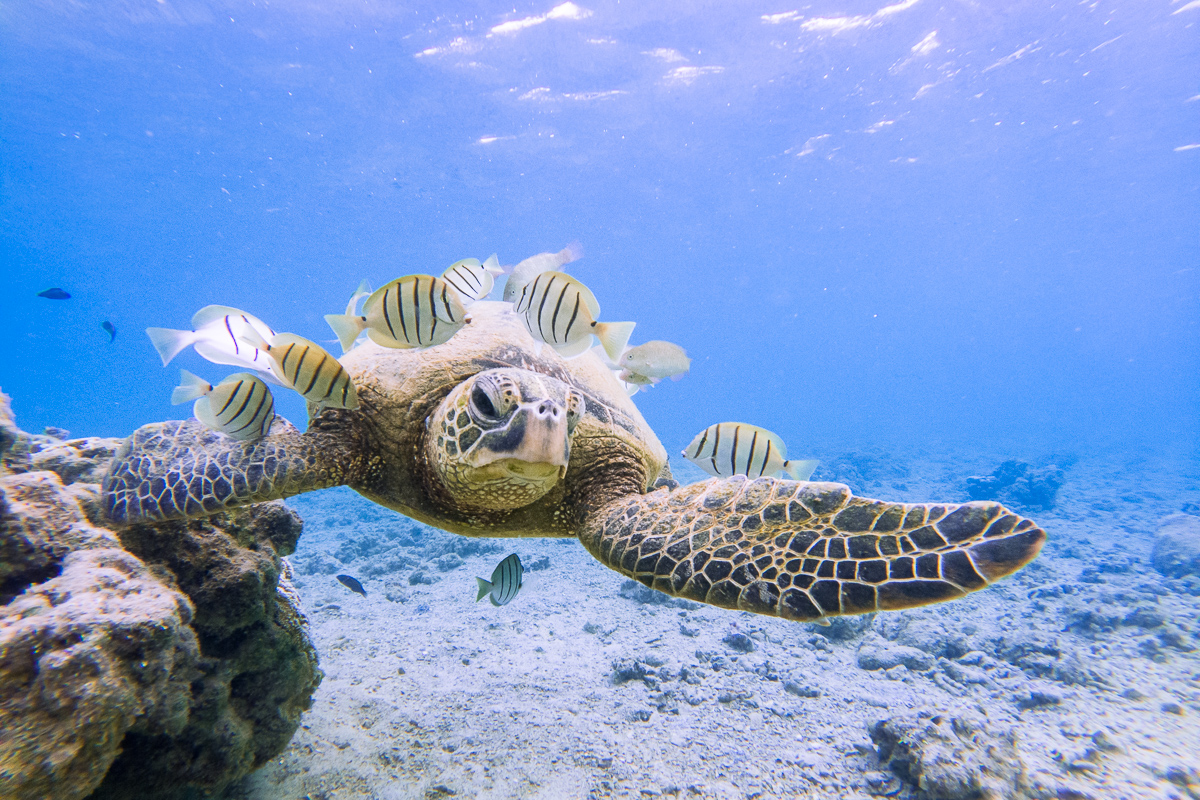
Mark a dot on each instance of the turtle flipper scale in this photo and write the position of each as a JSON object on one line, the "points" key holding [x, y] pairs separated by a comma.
{"points": [[803, 550], [169, 470]]}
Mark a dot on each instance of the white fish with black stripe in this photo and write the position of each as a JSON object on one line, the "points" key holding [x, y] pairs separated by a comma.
{"points": [[530, 268], [473, 280], [413, 311], [562, 312], [216, 337], [505, 582], [241, 406], [309, 369], [735, 448]]}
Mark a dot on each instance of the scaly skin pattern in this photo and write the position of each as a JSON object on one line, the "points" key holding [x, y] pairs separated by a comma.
{"points": [[805, 551], [169, 470]]}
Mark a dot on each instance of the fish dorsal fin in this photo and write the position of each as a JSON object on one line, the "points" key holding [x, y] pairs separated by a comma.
{"points": [[284, 339], [210, 314]]}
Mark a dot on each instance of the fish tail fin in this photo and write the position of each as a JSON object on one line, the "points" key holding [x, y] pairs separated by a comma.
{"points": [[801, 470], [572, 252], [253, 338], [613, 336], [169, 343], [347, 327], [492, 265], [190, 387], [485, 588], [362, 291]]}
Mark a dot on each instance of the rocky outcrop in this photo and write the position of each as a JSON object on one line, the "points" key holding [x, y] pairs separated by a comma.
{"points": [[951, 757], [1177, 546], [151, 661], [1016, 483], [93, 646]]}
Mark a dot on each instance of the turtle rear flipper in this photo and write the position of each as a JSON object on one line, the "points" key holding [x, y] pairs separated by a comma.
{"points": [[169, 470], [807, 550]]}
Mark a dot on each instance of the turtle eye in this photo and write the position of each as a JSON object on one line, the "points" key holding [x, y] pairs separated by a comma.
{"points": [[574, 410], [483, 403]]}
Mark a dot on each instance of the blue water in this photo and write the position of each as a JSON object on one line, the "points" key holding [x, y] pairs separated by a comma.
{"points": [[868, 225]]}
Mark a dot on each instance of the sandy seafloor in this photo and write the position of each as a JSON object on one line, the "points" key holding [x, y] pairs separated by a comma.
{"points": [[587, 685]]}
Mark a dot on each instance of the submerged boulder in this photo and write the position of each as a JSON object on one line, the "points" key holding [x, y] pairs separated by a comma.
{"points": [[1177, 546], [1016, 483], [151, 661]]}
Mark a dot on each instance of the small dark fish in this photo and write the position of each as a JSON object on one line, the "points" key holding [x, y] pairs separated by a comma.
{"points": [[110, 329], [352, 584], [54, 294], [505, 582]]}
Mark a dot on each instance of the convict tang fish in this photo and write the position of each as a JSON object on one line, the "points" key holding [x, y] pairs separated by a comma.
{"points": [[413, 311], [241, 406], [474, 281], [505, 582], [215, 336], [533, 266], [562, 312], [308, 368], [735, 448]]}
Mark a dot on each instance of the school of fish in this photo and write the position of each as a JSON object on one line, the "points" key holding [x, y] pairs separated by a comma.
{"points": [[418, 311]]}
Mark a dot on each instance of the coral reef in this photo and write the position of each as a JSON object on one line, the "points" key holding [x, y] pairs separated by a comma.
{"points": [[151, 661]]}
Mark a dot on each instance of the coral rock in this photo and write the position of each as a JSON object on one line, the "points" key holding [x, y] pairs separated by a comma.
{"points": [[164, 660], [92, 645]]}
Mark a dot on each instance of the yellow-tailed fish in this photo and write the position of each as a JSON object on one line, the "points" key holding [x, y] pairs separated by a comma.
{"points": [[216, 337], [562, 312], [530, 268], [241, 406], [474, 281], [653, 361], [413, 311], [309, 369], [735, 448], [505, 582], [363, 290]]}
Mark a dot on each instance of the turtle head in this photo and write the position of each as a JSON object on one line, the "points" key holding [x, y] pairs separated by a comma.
{"points": [[502, 438]]}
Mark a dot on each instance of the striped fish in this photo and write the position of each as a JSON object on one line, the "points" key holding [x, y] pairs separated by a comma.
{"points": [[215, 336], [241, 406], [735, 448], [533, 266], [309, 369], [474, 281], [562, 312], [505, 582], [413, 311]]}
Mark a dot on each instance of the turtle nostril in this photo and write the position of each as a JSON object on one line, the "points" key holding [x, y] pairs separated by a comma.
{"points": [[548, 408]]}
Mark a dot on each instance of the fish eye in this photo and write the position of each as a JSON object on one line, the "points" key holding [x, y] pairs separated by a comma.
{"points": [[483, 403]]}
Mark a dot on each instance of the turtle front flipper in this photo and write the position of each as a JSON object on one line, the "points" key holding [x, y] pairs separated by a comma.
{"points": [[170, 470], [803, 550]]}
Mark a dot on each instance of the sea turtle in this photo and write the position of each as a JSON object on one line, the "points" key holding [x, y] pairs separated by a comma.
{"points": [[494, 434]]}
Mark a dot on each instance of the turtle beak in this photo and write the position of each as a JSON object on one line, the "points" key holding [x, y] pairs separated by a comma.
{"points": [[537, 433]]}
